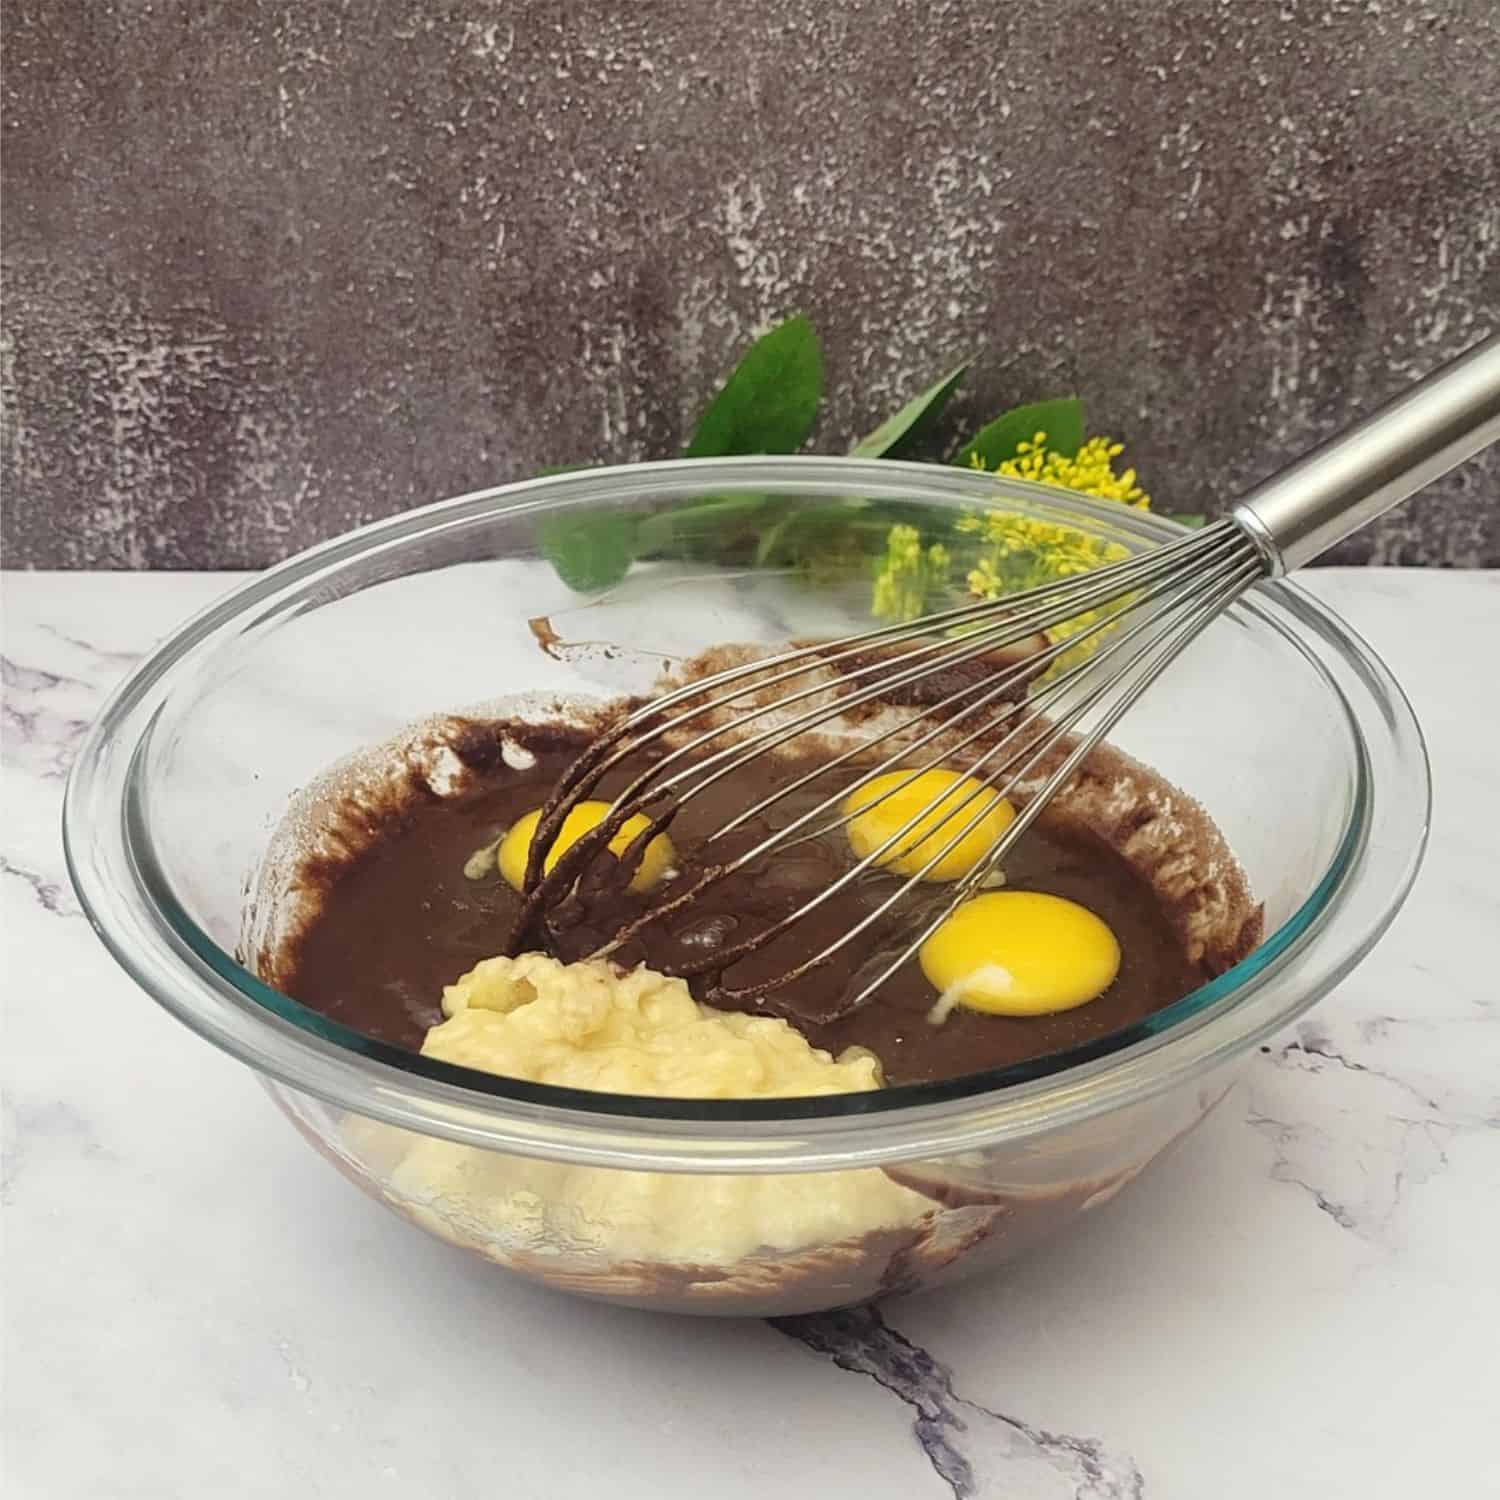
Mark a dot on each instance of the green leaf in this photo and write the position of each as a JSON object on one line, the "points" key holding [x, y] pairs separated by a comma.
{"points": [[658, 532], [814, 526], [771, 538], [1061, 420], [589, 553], [912, 418], [769, 403], [1192, 522]]}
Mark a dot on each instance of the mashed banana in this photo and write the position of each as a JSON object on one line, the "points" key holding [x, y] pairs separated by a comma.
{"points": [[587, 1026]]}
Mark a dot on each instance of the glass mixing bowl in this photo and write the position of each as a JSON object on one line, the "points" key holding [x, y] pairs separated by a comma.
{"points": [[1279, 720]]}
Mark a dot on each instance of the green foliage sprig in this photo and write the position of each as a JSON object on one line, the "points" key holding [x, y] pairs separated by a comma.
{"points": [[769, 404]]}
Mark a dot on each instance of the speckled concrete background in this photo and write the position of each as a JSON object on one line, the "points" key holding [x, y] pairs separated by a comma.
{"points": [[275, 269]]}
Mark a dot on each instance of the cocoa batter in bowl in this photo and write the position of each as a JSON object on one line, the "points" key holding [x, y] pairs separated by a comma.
{"points": [[281, 826]]}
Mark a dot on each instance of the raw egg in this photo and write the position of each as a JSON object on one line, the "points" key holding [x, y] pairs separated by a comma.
{"points": [[947, 792], [515, 847], [1019, 953]]}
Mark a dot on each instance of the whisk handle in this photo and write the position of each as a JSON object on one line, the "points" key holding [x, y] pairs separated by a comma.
{"points": [[1360, 474]]}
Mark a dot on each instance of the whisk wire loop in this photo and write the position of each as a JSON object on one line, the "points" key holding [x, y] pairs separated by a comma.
{"points": [[1226, 583], [1012, 737]]}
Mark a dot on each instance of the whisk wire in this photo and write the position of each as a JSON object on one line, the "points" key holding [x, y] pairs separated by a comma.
{"points": [[1122, 575], [1232, 580], [1148, 586], [1037, 701], [1014, 623], [949, 653], [1229, 589], [1231, 570]]}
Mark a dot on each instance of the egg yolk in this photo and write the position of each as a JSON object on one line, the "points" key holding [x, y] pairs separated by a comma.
{"points": [[946, 792], [1019, 953], [515, 847]]}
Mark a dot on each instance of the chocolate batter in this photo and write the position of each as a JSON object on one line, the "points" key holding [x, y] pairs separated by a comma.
{"points": [[398, 919]]}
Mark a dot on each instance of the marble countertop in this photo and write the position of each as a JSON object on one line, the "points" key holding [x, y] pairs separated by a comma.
{"points": [[1301, 1301]]}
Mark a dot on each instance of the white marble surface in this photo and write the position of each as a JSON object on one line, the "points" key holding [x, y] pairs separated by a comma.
{"points": [[1302, 1301]]}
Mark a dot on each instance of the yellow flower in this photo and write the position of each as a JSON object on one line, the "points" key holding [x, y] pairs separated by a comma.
{"points": [[909, 577], [1022, 553], [1090, 471], [1012, 552]]}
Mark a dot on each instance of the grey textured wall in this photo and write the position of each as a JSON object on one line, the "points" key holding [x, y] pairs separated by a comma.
{"points": [[275, 269]]}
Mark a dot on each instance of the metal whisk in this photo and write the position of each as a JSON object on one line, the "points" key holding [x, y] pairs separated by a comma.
{"points": [[1139, 615]]}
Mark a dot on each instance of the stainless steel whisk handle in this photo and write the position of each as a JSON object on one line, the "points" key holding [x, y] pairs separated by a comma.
{"points": [[1360, 474]]}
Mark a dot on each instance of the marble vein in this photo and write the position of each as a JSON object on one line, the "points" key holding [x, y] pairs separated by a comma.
{"points": [[51, 895], [976, 1451], [100, 653], [1369, 1132], [36, 735]]}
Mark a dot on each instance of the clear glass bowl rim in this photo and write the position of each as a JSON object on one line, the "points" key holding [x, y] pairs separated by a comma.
{"points": [[155, 940]]}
